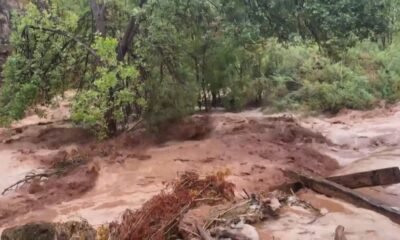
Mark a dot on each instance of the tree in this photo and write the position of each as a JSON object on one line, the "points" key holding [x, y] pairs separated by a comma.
{"points": [[163, 59]]}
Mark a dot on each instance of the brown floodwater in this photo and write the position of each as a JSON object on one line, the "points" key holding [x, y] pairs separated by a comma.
{"points": [[364, 141]]}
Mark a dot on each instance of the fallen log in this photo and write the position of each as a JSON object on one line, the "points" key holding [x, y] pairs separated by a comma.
{"points": [[373, 178], [333, 189], [379, 177]]}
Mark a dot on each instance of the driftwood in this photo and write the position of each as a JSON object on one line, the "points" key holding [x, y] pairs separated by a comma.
{"points": [[339, 233], [333, 189], [385, 176], [203, 234], [373, 178], [28, 178], [59, 170]]}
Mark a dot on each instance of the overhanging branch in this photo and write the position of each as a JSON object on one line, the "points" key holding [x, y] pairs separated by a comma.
{"points": [[68, 35]]}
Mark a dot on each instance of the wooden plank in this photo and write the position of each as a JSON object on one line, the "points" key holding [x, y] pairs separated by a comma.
{"points": [[333, 189], [379, 177]]}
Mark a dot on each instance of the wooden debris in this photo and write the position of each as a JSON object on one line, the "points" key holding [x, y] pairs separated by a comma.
{"points": [[339, 233], [333, 189], [385, 176], [159, 217], [373, 178], [203, 234], [59, 169], [26, 179]]}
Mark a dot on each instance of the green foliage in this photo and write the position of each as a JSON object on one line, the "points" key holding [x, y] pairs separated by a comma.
{"points": [[350, 92], [116, 87], [379, 66], [169, 101], [29, 74], [186, 55]]}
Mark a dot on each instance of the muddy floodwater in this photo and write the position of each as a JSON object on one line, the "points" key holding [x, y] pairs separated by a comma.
{"points": [[368, 141], [128, 177]]}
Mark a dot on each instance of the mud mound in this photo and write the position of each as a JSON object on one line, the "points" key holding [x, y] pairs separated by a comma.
{"points": [[55, 138], [291, 132], [63, 158], [70, 186], [196, 127], [51, 135], [264, 145], [309, 159], [348, 114], [279, 129], [304, 157]]}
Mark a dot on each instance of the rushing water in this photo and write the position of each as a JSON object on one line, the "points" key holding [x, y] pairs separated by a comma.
{"points": [[359, 223], [363, 144], [11, 170]]}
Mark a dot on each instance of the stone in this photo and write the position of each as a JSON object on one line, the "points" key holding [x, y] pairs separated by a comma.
{"points": [[37, 231], [72, 230]]}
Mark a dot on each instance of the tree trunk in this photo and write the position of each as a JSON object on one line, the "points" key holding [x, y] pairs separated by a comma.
{"points": [[214, 99], [99, 15], [127, 39], [131, 30], [203, 79], [333, 189]]}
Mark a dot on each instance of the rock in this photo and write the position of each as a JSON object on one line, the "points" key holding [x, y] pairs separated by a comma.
{"points": [[242, 232], [245, 230], [250, 232], [323, 211], [51, 231], [37, 231], [275, 204], [75, 231]]}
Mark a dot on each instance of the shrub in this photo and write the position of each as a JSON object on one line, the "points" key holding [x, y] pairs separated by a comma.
{"points": [[351, 92], [169, 101], [102, 107]]}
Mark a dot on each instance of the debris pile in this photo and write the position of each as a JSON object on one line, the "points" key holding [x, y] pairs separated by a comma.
{"points": [[206, 209], [237, 220], [160, 216]]}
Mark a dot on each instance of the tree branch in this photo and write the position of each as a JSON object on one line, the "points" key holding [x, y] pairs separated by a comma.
{"points": [[66, 34], [131, 30]]}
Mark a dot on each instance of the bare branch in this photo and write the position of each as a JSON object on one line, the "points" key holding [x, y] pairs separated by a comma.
{"points": [[27, 179]]}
